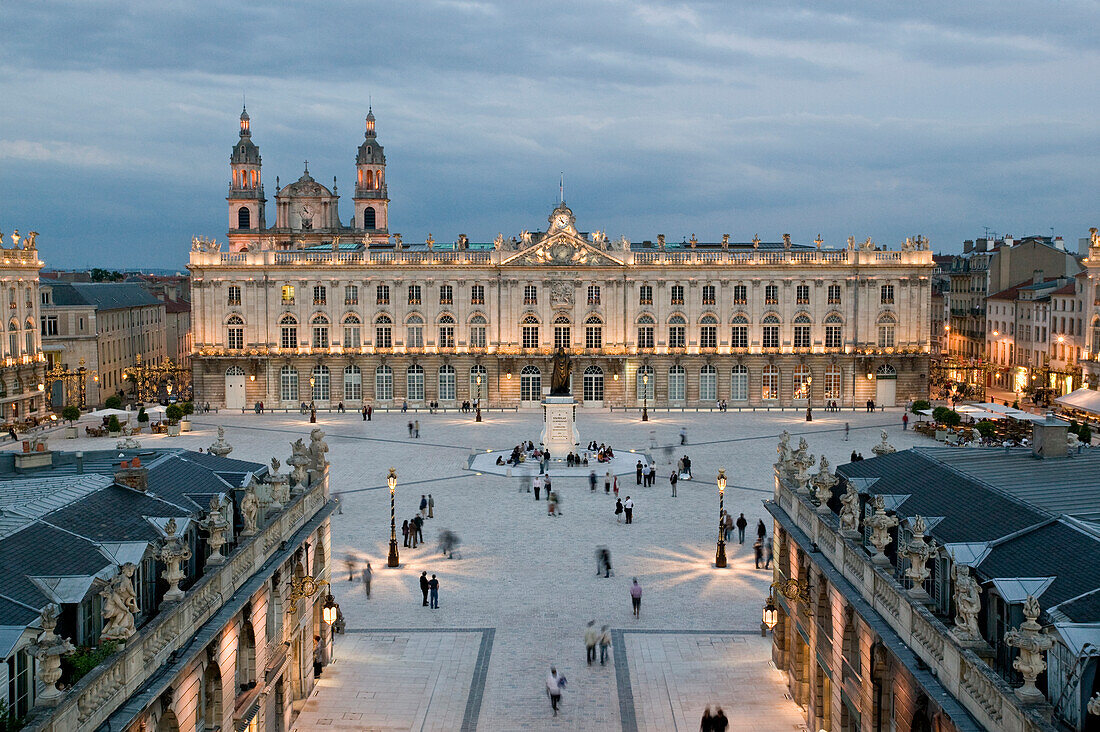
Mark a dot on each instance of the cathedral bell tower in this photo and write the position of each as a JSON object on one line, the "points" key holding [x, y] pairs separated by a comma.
{"points": [[246, 192], [371, 199]]}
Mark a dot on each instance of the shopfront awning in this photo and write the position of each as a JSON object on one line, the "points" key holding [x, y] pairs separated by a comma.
{"points": [[1087, 400]]}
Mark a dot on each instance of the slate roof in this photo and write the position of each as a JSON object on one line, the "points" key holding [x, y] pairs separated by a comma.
{"points": [[102, 295], [41, 550], [23, 501]]}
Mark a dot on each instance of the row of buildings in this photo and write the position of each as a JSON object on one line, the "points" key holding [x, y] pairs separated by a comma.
{"points": [[316, 308], [940, 588]]}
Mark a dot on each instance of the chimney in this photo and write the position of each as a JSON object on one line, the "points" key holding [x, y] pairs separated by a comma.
{"points": [[133, 475], [968, 246], [1048, 438], [1009, 240], [1060, 243], [1036, 276]]}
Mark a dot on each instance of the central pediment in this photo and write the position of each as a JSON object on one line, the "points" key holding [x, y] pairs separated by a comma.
{"points": [[562, 245]]}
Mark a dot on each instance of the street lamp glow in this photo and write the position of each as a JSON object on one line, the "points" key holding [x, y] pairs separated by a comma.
{"points": [[391, 481], [720, 554], [771, 613], [645, 395], [328, 610]]}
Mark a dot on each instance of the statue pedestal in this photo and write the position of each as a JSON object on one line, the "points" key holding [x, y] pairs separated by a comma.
{"points": [[559, 432]]}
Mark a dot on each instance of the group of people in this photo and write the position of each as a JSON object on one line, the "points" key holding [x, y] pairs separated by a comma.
{"points": [[414, 429], [466, 407], [645, 474], [575, 460], [413, 529], [832, 406], [603, 452], [856, 456], [430, 589], [870, 405]]}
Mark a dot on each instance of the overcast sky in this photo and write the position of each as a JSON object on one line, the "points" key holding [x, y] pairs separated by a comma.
{"points": [[878, 119]]}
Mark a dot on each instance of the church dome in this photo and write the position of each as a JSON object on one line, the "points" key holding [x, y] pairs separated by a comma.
{"points": [[305, 187]]}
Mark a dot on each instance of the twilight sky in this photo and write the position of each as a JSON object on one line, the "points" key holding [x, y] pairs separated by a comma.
{"points": [[872, 118]]}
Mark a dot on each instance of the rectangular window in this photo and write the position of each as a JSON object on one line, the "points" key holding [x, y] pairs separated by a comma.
{"points": [[383, 336], [593, 336], [886, 336], [477, 295], [320, 336], [832, 384], [677, 294], [446, 295], [530, 335], [289, 337], [351, 295], [677, 384], [740, 294], [834, 294], [833, 336], [677, 336], [530, 295], [477, 336], [593, 294], [887, 295], [708, 294], [802, 295], [320, 295], [236, 338], [708, 336], [383, 384], [739, 384], [802, 336], [771, 294], [770, 384], [739, 336], [288, 294], [446, 336], [414, 294], [234, 297], [383, 294], [415, 336], [351, 336], [49, 325], [645, 336], [645, 295], [21, 684], [770, 336], [563, 336]]}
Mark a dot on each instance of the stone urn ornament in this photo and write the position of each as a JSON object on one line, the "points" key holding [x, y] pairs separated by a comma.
{"points": [[884, 447], [221, 448], [822, 484], [299, 460], [48, 649], [880, 524], [1033, 646], [216, 527], [278, 486], [918, 551]]}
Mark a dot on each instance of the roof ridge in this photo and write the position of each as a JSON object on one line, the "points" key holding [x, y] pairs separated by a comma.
{"points": [[20, 604], [1073, 599]]}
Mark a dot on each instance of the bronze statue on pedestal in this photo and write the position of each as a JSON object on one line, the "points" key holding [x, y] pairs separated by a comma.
{"points": [[559, 377]]}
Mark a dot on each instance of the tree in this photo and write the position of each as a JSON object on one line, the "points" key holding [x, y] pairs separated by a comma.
{"points": [[174, 413], [142, 416], [1085, 434], [113, 402], [113, 424], [939, 413], [920, 405], [952, 418], [188, 408], [986, 428], [71, 413]]}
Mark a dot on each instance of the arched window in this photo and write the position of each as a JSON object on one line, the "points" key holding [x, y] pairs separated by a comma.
{"points": [[246, 658], [320, 331], [886, 325], [368, 218], [645, 332], [244, 218], [739, 383], [832, 382], [414, 383], [353, 383], [13, 338], [739, 335], [1095, 334], [770, 383], [645, 384], [211, 712], [447, 387], [677, 332], [383, 332], [352, 331], [802, 325], [529, 332], [288, 384], [886, 371], [834, 331], [322, 386], [477, 391], [801, 382], [769, 332], [708, 383], [234, 371], [677, 383], [477, 331], [563, 332], [288, 332], [168, 722], [383, 383], [414, 331], [708, 332], [234, 336], [446, 331], [530, 384], [593, 338], [593, 384], [370, 179]]}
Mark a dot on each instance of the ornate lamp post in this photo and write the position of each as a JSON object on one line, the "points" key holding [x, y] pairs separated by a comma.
{"points": [[394, 559], [720, 555], [477, 417], [645, 396], [328, 610], [770, 616]]}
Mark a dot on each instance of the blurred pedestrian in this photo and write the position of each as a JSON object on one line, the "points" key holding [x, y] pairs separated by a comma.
{"points": [[605, 643], [636, 597], [554, 686], [591, 638], [431, 506], [367, 575]]}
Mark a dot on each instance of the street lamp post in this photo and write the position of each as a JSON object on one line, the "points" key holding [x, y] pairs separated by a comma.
{"points": [[720, 555], [394, 559], [645, 396], [477, 417]]}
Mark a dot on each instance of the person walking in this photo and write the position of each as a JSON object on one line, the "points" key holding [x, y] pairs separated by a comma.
{"points": [[687, 467], [847, 427], [719, 723], [424, 587], [419, 522], [367, 575], [742, 522], [767, 555], [680, 465], [416, 429], [405, 532], [904, 422], [557, 498], [370, 412], [591, 639], [605, 644], [615, 486], [431, 506], [618, 511], [592, 480], [554, 685], [364, 414], [761, 529], [638, 473], [674, 478], [410, 427], [607, 482], [628, 506], [433, 591], [538, 486], [707, 723], [636, 597], [728, 526], [683, 436], [423, 505], [758, 551]]}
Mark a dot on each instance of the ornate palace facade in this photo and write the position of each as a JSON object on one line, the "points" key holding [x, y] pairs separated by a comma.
{"points": [[313, 309]]}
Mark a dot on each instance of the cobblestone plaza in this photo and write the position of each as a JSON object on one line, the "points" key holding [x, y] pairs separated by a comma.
{"points": [[523, 586]]}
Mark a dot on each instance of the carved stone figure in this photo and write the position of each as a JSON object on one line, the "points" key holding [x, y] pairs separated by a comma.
{"points": [[317, 449], [786, 241], [784, 449], [851, 242], [918, 552], [49, 648], [250, 510], [174, 552], [216, 526], [498, 243], [15, 239], [967, 605], [884, 447], [561, 293], [624, 244], [278, 486], [464, 241], [1033, 645], [802, 474], [525, 237], [397, 242], [119, 605], [849, 512], [127, 443], [430, 241], [221, 448], [880, 524], [1094, 703], [868, 245], [559, 376], [29, 242], [823, 482], [299, 459]]}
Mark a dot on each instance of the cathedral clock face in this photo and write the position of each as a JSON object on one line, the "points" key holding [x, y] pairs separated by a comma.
{"points": [[562, 221]]}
